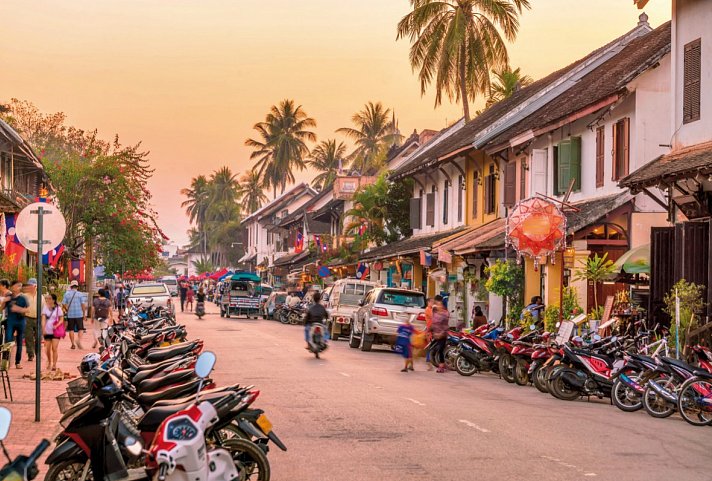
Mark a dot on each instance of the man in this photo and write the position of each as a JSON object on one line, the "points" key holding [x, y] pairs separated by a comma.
{"points": [[535, 308], [30, 292], [120, 297], [75, 305], [294, 300], [16, 309], [183, 292], [103, 315], [315, 314]]}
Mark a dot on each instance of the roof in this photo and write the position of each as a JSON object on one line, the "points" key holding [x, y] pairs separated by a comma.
{"points": [[470, 241], [668, 168], [279, 201], [12, 136], [332, 206], [408, 245], [523, 103], [593, 210], [289, 259]]}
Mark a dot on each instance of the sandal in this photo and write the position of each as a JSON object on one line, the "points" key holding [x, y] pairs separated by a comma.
{"points": [[18, 366], [73, 346], [404, 369]]}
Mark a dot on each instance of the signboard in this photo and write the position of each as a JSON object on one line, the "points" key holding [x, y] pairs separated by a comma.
{"points": [[565, 331], [607, 310]]}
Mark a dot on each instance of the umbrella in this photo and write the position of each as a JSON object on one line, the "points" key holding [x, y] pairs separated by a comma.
{"points": [[635, 261]]}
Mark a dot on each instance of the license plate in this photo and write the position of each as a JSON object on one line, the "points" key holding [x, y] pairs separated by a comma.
{"points": [[264, 424]]}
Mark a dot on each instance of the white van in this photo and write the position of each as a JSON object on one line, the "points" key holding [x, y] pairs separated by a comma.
{"points": [[171, 283], [344, 297]]}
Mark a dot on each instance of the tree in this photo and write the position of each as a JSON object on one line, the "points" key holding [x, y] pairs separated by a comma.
{"points": [[692, 302], [203, 265], [374, 134], [506, 82], [455, 44], [506, 279], [197, 206], [327, 158], [596, 270], [249, 191], [282, 146]]}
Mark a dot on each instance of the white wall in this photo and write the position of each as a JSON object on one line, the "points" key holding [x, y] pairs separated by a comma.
{"points": [[692, 19], [440, 179]]}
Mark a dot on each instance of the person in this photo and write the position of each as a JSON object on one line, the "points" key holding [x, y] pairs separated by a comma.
{"points": [[30, 292], [200, 298], [428, 323], [478, 318], [403, 344], [4, 294], [16, 309], [315, 314], [120, 299], [183, 293], [75, 305], [294, 300], [190, 293], [52, 319], [535, 308], [439, 328], [102, 315]]}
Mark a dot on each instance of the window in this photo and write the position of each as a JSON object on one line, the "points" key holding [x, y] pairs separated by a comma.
{"points": [[415, 211], [490, 191], [475, 192], [568, 164], [401, 298], [691, 82], [523, 179], [510, 183], [621, 141], [460, 183], [446, 196], [430, 208], [600, 156]]}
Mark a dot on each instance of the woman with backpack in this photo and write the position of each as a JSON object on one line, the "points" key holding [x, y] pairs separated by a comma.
{"points": [[102, 315]]}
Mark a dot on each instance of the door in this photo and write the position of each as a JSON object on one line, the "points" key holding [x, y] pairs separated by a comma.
{"points": [[540, 161]]}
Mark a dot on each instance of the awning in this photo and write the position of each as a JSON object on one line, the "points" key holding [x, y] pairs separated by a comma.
{"points": [[247, 258], [409, 245], [289, 259], [635, 261], [669, 168], [593, 210], [217, 275], [470, 241]]}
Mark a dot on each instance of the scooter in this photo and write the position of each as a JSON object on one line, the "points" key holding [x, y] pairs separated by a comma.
{"points": [[317, 338], [200, 309], [23, 468]]}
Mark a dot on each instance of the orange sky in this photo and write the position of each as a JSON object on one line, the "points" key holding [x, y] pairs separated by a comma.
{"points": [[190, 77]]}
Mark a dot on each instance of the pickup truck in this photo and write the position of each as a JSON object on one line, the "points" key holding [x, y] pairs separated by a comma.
{"points": [[343, 301], [153, 293]]}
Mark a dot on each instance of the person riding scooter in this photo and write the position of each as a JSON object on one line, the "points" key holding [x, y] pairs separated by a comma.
{"points": [[315, 314], [200, 303]]}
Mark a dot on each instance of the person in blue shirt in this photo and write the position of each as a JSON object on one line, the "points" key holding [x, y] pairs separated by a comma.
{"points": [[16, 305], [75, 303]]}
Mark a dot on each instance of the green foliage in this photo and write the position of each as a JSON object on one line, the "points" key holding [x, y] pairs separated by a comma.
{"points": [[325, 159], [506, 82], [691, 303], [203, 265], [595, 269], [571, 305], [597, 313], [398, 209], [249, 191], [551, 317], [506, 279]]}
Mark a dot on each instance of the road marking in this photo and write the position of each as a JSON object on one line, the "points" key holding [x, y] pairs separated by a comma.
{"points": [[414, 401], [345, 374], [567, 465], [474, 426]]}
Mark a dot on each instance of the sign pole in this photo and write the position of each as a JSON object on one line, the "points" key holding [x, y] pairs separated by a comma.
{"points": [[38, 335]]}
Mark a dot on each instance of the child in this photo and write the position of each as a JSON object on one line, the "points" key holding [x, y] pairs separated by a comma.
{"points": [[189, 298], [405, 331]]}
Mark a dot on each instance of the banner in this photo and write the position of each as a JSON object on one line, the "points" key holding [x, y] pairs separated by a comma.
{"points": [[299, 243], [444, 256], [14, 251], [362, 271], [76, 270]]}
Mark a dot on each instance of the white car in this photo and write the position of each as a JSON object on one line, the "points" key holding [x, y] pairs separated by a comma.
{"points": [[172, 283], [151, 293]]}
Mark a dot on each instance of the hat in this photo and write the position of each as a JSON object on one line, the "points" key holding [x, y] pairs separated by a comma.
{"points": [[31, 281], [74, 284]]}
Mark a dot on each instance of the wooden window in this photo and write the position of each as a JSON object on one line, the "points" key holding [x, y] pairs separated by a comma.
{"points": [[600, 156], [446, 200], [691, 81], [460, 196], [430, 208], [621, 150], [568, 164], [490, 191], [475, 192], [510, 183], [523, 178], [415, 212]]}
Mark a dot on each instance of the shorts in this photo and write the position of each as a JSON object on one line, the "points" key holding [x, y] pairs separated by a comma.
{"points": [[75, 324], [49, 337]]}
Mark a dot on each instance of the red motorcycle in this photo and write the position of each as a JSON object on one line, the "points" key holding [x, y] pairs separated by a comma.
{"points": [[476, 353], [504, 346], [523, 353]]}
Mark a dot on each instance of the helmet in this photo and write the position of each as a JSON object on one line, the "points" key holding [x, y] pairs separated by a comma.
{"points": [[89, 363]]}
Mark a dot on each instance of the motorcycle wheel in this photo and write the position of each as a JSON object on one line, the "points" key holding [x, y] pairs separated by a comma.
{"points": [[464, 367], [656, 405], [624, 397], [251, 462], [283, 318], [293, 318], [692, 395], [68, 470], [449, 359], [550, 371], [506, 367], [521, 373], [560, 390], [539, 377]]}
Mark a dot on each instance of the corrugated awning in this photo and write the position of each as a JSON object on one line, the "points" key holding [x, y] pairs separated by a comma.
{"points": [[290, 259], [471, 240], [408, 245]]}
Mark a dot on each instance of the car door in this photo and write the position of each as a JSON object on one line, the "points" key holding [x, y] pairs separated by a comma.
{"points": [[362, 310]]}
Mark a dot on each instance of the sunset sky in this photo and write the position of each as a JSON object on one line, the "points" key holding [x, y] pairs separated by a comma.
{"points": [[190, 78]]}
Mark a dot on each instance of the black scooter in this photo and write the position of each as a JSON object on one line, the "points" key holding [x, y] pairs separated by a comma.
{"points": [[22, 468]]}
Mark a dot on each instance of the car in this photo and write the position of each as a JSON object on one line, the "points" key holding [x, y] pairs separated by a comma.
{"points": [[275, 298], [342, 301], [171, 283], [380, 313], [153, 293]]}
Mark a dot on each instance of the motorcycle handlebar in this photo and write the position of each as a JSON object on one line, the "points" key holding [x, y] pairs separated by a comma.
{"points": [[34, 456]]}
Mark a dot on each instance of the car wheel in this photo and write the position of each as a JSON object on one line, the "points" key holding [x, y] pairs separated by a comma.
{"points": [[353, 340], [366, 341]]}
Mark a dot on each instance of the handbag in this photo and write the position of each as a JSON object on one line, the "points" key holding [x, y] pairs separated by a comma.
{"points": [[59, 331], [66, 309]]}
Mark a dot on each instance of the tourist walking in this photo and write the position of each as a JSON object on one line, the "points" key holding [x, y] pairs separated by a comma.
{"points": [[120, 299], [53, 328], [183, 293], [189, 295], [439, 328], [74, 304], [102, 315], [31, 340], [16, 305], [404, 345]]}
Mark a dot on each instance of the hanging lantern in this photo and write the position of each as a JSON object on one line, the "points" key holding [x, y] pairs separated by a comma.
{"points": [[536, 228]]}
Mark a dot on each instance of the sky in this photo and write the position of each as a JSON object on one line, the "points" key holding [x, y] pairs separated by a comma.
{"points": [[189, 78]]}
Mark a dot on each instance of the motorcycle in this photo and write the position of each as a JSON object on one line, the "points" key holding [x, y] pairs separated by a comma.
{"points": [[317, 338], [22, 468]]}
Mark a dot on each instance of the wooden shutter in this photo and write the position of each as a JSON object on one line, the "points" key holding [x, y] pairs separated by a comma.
{"points": [[460, 197], [662, 270], [600, 155], [415, 213], [540, 161], [475, 193], [522, 179], [430, 209], [691, 81], [510, 183], [575, 164], [490, 192], [626, 147], [563, 166], [446, 201]]}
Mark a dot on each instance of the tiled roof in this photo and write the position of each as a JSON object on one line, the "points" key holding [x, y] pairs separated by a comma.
{"points": [[471, 240], [289, 259], [593, 210], [408, 245], [679, 164]]}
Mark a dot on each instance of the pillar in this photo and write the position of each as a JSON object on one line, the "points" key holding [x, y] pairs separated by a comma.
{"points": [[553, 280], [532, 280], [417, 276]]}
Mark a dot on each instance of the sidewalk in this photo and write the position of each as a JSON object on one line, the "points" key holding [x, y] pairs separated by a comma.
{"points": [[25, 433]]}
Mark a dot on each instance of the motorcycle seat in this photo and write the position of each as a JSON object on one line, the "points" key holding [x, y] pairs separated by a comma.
{"points": [[151, 366], [156, 383], [681, 364], [703, 374], [168, 352], [153, 418], [147, 399], [206, 392]]}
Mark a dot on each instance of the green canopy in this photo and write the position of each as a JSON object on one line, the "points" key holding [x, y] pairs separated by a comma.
{"points": [[246, 276], [635, 261]]}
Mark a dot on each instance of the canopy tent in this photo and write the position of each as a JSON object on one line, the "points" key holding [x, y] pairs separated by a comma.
{"points": [[218, 274], [635, 261], [226, 275], [246, 276]]}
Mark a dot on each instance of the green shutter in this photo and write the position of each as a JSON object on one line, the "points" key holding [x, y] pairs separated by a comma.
{"points": [[569, 164], [575, 163]]}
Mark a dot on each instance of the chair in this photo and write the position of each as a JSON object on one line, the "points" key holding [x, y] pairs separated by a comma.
{"points": [[5, 353]]}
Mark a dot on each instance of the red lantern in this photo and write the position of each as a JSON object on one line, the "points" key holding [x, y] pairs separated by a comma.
{"points": [[536, 228]]}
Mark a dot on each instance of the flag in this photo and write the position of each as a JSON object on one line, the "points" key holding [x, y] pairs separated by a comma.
{"points": [[52, 257], [14, 251], [444, 256], [362, 271], [362, 229], [299, 243], [426, 259], [76, 270]]}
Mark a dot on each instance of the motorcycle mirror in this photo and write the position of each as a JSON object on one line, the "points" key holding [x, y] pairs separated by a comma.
{"points": [[596, 338], [5, 420], [133, 446], [614, 339], [205, 364], [532, 327], [558, 324]]}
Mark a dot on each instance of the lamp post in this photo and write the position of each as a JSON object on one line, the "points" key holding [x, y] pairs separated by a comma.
{"points": [[39, 228]]}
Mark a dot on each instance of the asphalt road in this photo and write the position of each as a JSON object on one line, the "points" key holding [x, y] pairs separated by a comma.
{"points": [[354, 416]]}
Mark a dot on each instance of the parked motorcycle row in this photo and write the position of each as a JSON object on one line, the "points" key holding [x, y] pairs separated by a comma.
{"points": [[290, 314], [146, 407], [631, 370]]}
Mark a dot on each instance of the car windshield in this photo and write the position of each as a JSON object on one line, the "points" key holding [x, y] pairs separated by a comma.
{"points": [[280, 298], [400, 298], [148, 290], [170, 282]]}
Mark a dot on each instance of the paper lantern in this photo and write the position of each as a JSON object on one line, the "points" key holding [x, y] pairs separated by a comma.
{"points": [[536, 228]]}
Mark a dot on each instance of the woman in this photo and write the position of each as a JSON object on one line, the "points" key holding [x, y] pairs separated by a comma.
{"points": [[54, 328], [189, 298], [439, 328], [478, 318]]}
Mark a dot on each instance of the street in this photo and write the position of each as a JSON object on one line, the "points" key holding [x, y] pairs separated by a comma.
{"points": [[354, 416]]}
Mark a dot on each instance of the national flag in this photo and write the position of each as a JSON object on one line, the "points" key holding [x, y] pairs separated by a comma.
{"points": [[426, 259], [76, 270], [299, 243], [362, 229], [14, 251], [444, 256], [52, 257], [362, 271]]}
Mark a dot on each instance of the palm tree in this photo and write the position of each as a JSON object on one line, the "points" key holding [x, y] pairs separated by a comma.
{"points": [[282, 145], [374, 134], [506, 82], [203, 265], [328, 159], [197, 204], [223, 186], [369, 210], [250, 192], [455, 43]]}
